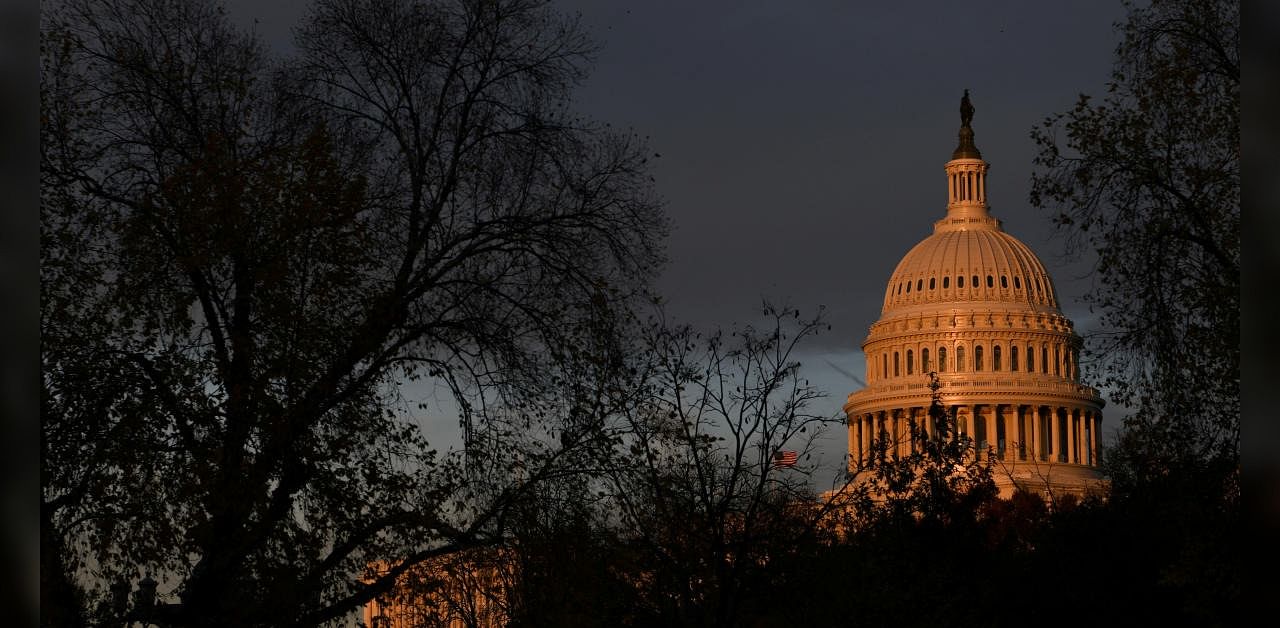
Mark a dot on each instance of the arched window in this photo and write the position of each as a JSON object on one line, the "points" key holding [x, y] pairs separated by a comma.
{"points": [[1004, 281], [946, 282], [960, 281], [908, 287], [1031, 359], [959, 359], [919, 284], [977, 358], [896, 372], [931, 283], [1044, 359], [1017, 285], [1057, 360], [1013, 358], [990, 283], [910, 367], [884, 365], [995, 358], [942, 359], [924, 360]]}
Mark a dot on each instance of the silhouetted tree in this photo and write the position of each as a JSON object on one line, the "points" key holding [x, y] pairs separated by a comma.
{"points": [[1149, 180], [243, 260], [694, 487]]}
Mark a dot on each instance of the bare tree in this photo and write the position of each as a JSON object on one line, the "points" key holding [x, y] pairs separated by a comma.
{"points": [[243, 260], [698, 484]]}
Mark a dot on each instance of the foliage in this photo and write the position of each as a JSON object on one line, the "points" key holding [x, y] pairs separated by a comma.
{"points": [[244, 258], [944, 476], [1149, 180]]}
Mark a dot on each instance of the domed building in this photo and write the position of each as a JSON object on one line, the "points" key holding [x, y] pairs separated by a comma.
{"points": [[975, 306]]}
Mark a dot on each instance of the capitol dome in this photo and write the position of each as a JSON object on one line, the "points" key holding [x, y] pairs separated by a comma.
{"points": [[975, 308], [975, 264]]}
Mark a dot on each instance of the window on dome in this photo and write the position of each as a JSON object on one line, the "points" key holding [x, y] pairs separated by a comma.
{"points": [[1017, 285], [1039, 289], [946, 283], [896, 372], [1013, 358], [919, 284], [995, 358], [990, 283], [977, 358], [908, 287], [909, 365], [975, 281], [942, 359], [931, 283], [1044, 360], [1004, 281], [960, 281], [1057, 360], [1031, 359], [959, 359], [884, 365], [924, 360]]}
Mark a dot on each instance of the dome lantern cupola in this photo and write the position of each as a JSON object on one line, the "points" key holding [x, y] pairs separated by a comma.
{"points": [[967, 178]]}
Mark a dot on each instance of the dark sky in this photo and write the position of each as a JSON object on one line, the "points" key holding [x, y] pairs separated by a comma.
{"points": [[802, 143]]}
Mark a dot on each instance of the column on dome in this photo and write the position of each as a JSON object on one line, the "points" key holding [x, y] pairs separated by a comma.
{"points": [[904, 431], [1088, 440], [894, 440], [1082, 436], [1094, 437], [873, 425], [1036, 439], [1054, 432], [1012, 423], [992, 450], [1077, 432], [854, 443], [872, 436], [882, 433], [911, 430]]}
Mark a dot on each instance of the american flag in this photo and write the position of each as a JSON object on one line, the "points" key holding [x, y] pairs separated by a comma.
{"points": [[784, 459]]}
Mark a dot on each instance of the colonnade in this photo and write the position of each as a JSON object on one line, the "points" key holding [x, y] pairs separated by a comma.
{"points": [[1008, 432]]}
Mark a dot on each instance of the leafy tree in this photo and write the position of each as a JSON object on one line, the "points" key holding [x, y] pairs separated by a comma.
{"points": [[1149, 180], [942, 478], [243, 259]]}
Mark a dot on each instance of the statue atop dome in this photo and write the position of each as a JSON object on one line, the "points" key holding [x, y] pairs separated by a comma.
{"points": [[966, 149]]}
